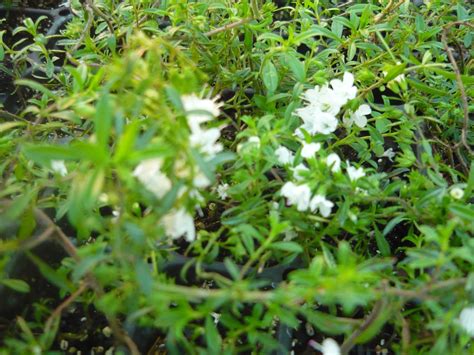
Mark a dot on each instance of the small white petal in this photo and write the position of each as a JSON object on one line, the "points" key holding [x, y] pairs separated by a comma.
{"points": [[284, 155], [354, 174], [466, 320], [59, 167], [199, 110], [149, 174], [206, 141], [222, 191], [389, 153], [334, 162], [330, 347], [319, 202], [179, 223], [298, 195], [309, 149]]}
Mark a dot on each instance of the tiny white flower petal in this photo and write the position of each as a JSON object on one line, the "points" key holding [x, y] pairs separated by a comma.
{"points": [[206, 141], [334, 162], [466, 320], [298, 195], [309, 149], [179, 223], [149, 174], [330, 347], [199, 110], [222, 191], [456, 193], [389, 153], [59, 167], [345, 89], [355, 174], [284, 155], [201, 181], [317, 121], [364, 109], [319, 202]]}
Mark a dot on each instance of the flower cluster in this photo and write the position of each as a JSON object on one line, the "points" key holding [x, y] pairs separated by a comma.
{"points": [[178, 222], [319, 116], [324, 104], [199, 111]]}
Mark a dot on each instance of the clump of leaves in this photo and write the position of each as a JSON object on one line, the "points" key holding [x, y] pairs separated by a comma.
{"points": [[216, 173]]}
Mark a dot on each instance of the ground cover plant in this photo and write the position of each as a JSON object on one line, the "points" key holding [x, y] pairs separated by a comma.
{"points": [[252, 176]]}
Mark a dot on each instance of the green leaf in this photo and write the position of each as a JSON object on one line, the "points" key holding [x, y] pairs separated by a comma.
{"points": [[270, 77], [390, 225], [382, 243], [317, 30], [425, 88], [9, 125], [36, 87], [394, 71], [232, 268], [213, 339], [54, 276], [17, 285], [466, 79], [465, 212], [296, 66], [287, 246], [103, 119]]}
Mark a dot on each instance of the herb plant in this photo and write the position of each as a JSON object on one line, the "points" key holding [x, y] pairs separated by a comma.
{"points": [[251, 176]]}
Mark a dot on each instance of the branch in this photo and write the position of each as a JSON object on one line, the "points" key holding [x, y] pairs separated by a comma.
{"points": [[350, 342], [227, 27], [57, 312], [462, 90]]}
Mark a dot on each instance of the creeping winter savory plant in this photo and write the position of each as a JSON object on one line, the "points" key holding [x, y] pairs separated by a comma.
{"points": [[315, 197]]}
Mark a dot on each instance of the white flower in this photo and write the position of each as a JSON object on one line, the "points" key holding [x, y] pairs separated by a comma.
{"points": [[199, 110], [179, 223], [222, 191], [309, 149], [149, 174], [316, 121], [456, 193], [284, 155], [297, 170], [354, 174], [324, 99], [59, 167], [298, 195], [345, 89], [466, 320], [334, 162], [330, 347], [389, 153], [201, 181], [206, 140], [359, 116], [319, 202]]}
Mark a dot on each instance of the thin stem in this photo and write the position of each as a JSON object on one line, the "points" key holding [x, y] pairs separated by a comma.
{"points": [[227, 27], [462, 90]]}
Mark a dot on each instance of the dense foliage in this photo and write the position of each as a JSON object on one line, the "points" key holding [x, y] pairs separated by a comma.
{"points": [[331, 141]]}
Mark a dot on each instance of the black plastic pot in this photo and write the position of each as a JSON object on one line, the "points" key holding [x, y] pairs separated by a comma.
{"points": [[12, 98]]}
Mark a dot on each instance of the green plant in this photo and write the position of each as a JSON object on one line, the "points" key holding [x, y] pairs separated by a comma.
{"points": [[375, 204]]}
